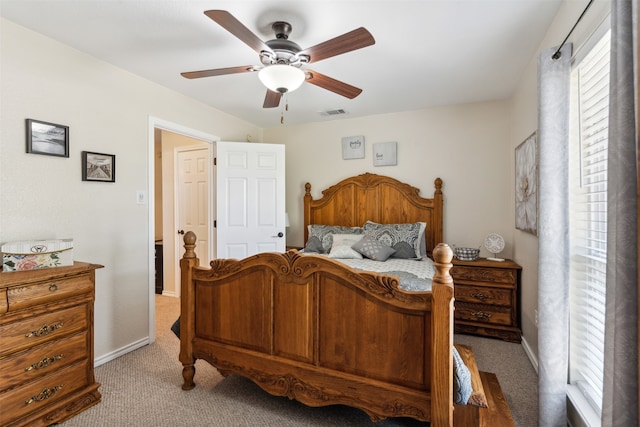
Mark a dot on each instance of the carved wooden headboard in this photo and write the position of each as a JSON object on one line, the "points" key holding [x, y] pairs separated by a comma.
{"points": [[382, 199]]}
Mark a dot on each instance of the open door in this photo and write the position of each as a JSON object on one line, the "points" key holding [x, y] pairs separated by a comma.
{"points": [[250, 199]]}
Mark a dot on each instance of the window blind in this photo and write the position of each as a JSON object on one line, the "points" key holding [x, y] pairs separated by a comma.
{"points": [[588, 217]]}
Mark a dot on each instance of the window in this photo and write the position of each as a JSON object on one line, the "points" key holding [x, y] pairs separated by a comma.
{"points": [[588, 217]]}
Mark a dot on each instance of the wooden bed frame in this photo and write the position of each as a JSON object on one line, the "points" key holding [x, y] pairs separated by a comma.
{"points": [[312, 329]]}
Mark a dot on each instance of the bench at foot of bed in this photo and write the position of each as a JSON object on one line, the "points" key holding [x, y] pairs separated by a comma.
{"points": [[487, 405]]}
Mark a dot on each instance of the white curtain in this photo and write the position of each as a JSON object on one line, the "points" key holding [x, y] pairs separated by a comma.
{"points": [[620, 401], [553, 233]]}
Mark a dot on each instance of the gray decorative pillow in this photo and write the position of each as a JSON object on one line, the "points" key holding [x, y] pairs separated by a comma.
{"points": [[373, 249], [405, 239], [462, 387], [321, 236]]}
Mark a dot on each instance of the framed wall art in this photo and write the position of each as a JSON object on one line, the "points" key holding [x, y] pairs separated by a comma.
{"points": [[527, 185], [47, 138], [98, 167], [385, 154], [353, 147]]}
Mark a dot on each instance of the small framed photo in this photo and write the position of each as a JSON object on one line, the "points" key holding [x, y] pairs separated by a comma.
{"points": [[47, 138], [353, 147], [98, 167], [385, 154]]}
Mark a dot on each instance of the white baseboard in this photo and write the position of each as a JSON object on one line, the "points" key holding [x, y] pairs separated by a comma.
{"points": [[120, 352], [532, 357]]}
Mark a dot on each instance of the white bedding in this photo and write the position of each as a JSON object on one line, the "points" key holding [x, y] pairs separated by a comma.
{"points": [[414, 275]]}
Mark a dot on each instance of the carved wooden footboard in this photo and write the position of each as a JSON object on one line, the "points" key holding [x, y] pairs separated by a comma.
{"points": [[315, 330]]}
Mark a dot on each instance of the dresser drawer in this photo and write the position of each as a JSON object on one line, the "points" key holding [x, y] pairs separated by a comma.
{"points": [[35, 330], [4, 307], [41, 360], [20, 297], [43, 392], [483, 314], [478, 274], [483, 295]]}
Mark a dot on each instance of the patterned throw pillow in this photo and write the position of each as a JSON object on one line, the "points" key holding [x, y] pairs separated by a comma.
{"points": [[462, 388], [373, 249], [341, 247], [321, 236], [405, 239]]}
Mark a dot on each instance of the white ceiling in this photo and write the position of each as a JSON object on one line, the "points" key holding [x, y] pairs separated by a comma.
{"points": [[427, 52]]}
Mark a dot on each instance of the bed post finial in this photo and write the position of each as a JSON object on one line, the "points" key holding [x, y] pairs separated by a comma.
{"points": [[189, 244], [307, 189], [438, 184]]}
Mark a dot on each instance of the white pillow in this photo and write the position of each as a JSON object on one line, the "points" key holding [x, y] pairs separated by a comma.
{"points": [[341, 247]]}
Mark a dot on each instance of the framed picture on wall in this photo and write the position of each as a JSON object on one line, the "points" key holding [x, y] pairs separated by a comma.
{"points": [[47, 138], [527, 185], [385, 154], [98, 167], [353, 147]]}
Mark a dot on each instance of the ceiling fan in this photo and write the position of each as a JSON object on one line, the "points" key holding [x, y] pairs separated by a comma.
{"points": [[283, 59]]}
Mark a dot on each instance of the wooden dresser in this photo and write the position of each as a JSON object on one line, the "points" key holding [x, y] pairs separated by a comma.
{"points": [[46, 344], [487, 298]]}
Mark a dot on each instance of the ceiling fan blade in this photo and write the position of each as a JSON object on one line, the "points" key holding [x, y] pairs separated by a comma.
{"points": [[237, 28], [271, 99], [347, 42], [218, 72], [332, 84]]}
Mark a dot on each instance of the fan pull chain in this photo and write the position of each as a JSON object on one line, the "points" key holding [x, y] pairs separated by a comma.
{"points": [[286, 108]]}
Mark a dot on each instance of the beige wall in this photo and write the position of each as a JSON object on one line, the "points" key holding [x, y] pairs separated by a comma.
{"points": [[107, 110], [465, 145]]}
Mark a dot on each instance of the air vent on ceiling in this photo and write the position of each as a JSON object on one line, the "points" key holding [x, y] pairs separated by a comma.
{"points": [[336, 112]]}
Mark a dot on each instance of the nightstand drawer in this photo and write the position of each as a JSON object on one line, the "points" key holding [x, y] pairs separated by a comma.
{"points": [[478, 274], [21, 297], [43, 392], [41, 360], [483, 295], [38, 329], [483, 314]]}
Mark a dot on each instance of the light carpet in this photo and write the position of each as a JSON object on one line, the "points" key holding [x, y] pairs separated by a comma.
{"points": [[143, 388]]}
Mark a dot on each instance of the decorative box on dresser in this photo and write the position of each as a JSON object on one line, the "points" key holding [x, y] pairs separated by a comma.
{"points": [[46, 344], [487, 298]]}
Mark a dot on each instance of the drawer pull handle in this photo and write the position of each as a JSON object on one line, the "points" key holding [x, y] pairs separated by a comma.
{"points": [[44, 394], [45, 330], [44, 363], [481, 315], [53, 287], [479, 295]]}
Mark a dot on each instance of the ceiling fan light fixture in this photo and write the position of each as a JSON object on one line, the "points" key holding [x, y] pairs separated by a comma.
{"points": [[281, 78]]}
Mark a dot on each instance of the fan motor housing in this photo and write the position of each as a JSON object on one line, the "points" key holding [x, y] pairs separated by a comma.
{"points": [[284, 51]]}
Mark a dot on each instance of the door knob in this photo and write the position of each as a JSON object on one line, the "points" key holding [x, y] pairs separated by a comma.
{"points": [[180, 231], [280, 234]]}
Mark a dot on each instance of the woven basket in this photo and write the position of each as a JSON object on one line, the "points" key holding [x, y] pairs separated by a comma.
{"points": [[466, 254]]}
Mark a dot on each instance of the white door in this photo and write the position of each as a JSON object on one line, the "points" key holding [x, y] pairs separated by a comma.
{"points": [[193, 214], [250, 199]]}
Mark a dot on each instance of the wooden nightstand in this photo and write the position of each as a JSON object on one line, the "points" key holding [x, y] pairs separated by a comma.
{"points": [[487, 298]]}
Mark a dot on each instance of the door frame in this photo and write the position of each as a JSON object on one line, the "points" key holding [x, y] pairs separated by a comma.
{"points": [[153, 124]]}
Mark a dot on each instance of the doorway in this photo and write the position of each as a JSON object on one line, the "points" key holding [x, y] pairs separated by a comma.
{"points": [[162, 177]]}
